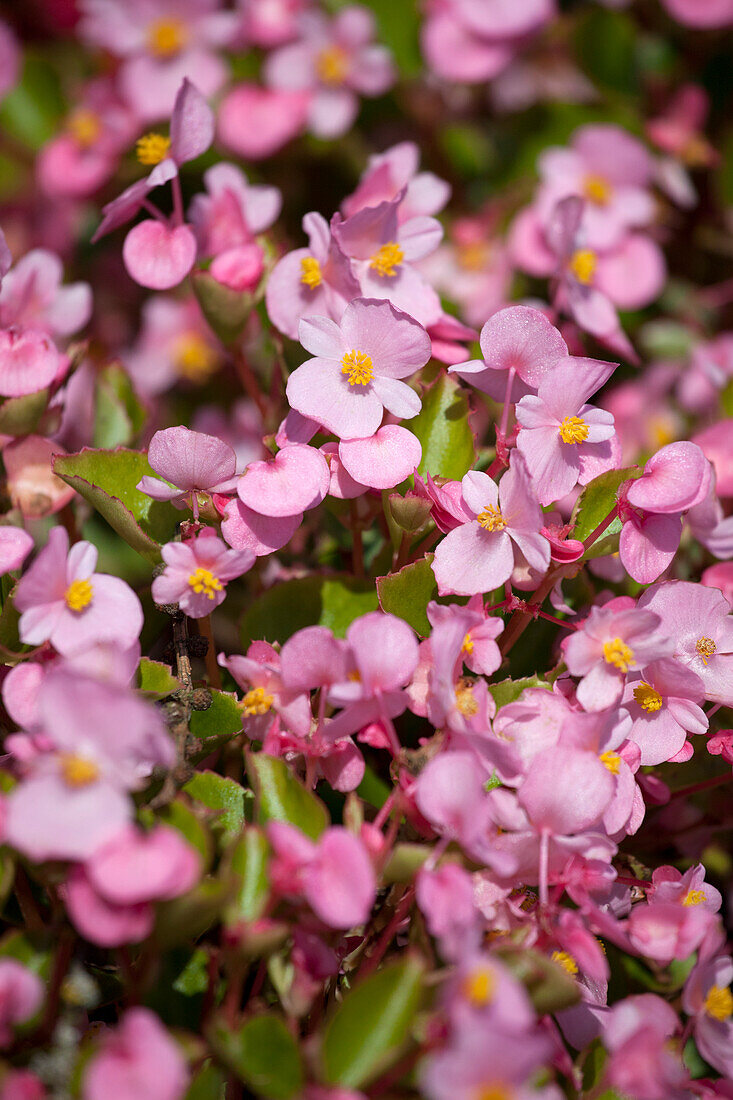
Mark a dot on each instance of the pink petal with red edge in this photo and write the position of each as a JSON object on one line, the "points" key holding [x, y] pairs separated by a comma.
{"points": [[157, 256]]}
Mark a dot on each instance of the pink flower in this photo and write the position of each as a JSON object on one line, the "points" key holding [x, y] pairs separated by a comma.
{"points": [[334, 875], [15, 546], [21, 995], [480, 652], [256, 122], [160, 46], [383, 460], [383, 250], [670, 885], [610, 643], [64, 602], [697, 622], [29, 361], [174, 344], [357, 368], [309, 281], [563, 439], [388, 173], [708, 998], [445, 897], [233, 211], [192, 462], [136, 1061], [478, 556], [701, 13], [472, 269], [519, 347], [32, 296], [269, 698], [663, 703], [197, 571], [334, 62], [642, 1060]]}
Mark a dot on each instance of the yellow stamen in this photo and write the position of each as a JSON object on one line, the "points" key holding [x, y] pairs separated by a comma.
{"points": [[647, 697], [694, 897], [85, 127], [719, 1003], [256, 701], [473, 256], [332, 65], [573, 430], [79, 595], [705, 647], [617, 653], [597, 190], [78, 772], [491, 519], [194, 357], [167, 37], [310, 272], [387, 259], [152, 148], [612, 761], [479, 987], [493, 1092], [467, 646], [466, 703], [204, 582], [358, 366], [583, 265], [565, 960]]}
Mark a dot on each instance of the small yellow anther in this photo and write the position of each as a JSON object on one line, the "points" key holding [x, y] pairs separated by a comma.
{"points": [[387, 259], [79, 595], [310, 272]]}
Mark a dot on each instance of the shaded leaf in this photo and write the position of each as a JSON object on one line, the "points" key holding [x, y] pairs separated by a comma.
{"points": [[279, 796], [156, 679], [264, 1055], [408, 593], [444, 431], [249, 859], [333, 602], [219, 793], [507, 691]]}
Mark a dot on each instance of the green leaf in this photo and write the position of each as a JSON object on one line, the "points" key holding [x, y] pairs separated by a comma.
{"points": [[186, 918], [180, 816], [118, 414], [194, 977], [594, 504], [279, 796], [249, 860], [548, 984], [333, 602], [108, 480], [264, 1055], [222, 794], [369, 1028], [31, 110], [155, 679], [221, 721], [508, 691], [208, 1084], [20, 415], [408, 592], [606, 45], [444, 431]]}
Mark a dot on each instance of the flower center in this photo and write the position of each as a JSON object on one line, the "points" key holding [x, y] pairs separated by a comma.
{"points": [[387, 259], [79, 595], [583, 265], [310, 272], [256, 701], [493, 1092], [167, 37], [573, 430], [565, 960], [195, 358], [332, 65], [466, 703], [152, 148], [85, 127], [705, 647], [77, 771], [491, 519], [204, 581], [647, 697], [618, 654], [612, 761], [467, 646], [479, 986], [694, 897], [472, 256], [597, 190], [358, 367], [719, 1003]]}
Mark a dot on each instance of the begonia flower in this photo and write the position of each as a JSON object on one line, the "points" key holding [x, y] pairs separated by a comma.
{"points": [[708, 998], [197, 571], [138, 1060], [232, 211], [388, 173], [663, 704], [358, 366], [21, 996], [192, 462]]}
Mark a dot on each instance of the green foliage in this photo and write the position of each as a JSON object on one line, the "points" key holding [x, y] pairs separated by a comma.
{"points": [[408, 592], [279, 796], [548, 984], [31, 110], [155, 679], [220, 722], [508, 691], [221, 794], [264, 1055], [594, 504], [225, 310], [287, 607], [249, 859], [108, 480], [444, 431], [118, 414], [370, 1027], [21, 415]]}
